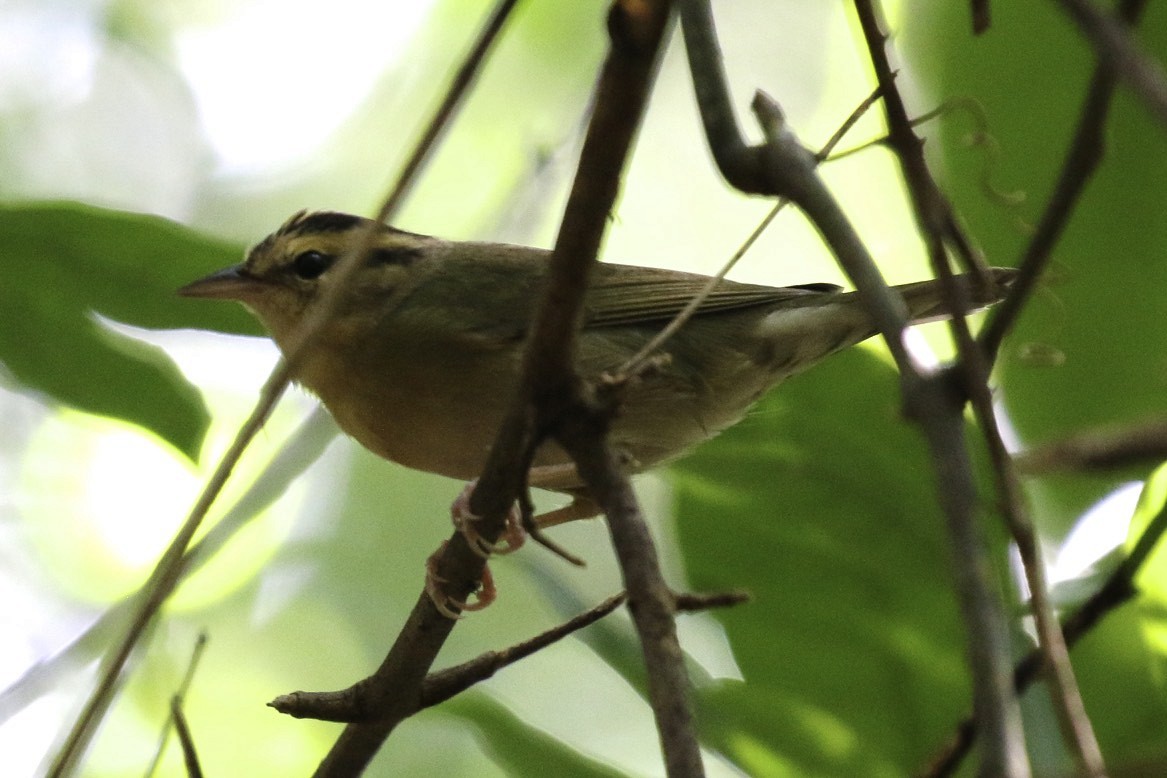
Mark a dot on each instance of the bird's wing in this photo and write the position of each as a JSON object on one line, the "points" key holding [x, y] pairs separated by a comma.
{"points": [[626, 294]]}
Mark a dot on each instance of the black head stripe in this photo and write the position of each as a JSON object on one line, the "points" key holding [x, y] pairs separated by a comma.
{"points": [[319, 222], [397, 255]]}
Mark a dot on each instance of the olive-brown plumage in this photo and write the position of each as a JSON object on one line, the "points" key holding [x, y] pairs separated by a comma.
{"points": [[422, 359]]}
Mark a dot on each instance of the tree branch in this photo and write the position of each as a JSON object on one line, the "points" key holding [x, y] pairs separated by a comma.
{"points": [[1140, 445], [440, 686], [554, 400], [1082, 159], [170, 566], [782, 167], [1118, 590], [938, 224]]}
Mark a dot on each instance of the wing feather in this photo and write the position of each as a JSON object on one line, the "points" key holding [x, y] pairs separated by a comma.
{"points": [[626, 294]]}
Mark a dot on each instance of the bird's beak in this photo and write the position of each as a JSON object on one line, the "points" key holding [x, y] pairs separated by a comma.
{"points": [[233, 283]]}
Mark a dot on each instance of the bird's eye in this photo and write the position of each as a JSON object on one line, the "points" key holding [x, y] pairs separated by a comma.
{"points": [[311, 264]]}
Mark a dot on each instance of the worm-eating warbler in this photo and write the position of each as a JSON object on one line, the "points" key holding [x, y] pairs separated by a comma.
{"points": [[422, 358]]}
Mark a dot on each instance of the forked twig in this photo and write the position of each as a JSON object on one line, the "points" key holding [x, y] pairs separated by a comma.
{"points": [[179, 720], [638, 362], [553, 400], [1118, 589]]}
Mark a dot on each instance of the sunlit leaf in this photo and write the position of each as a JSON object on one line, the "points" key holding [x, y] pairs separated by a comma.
{"points": [[518, 747], [822, 504], [63, 264]]}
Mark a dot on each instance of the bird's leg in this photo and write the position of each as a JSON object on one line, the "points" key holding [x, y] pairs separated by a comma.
{"points": [[464, 519], [519, 523], [580, 507]]}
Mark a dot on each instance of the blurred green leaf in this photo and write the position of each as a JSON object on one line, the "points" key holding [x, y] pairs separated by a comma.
{"points": [[62, 263], [518, 747], [822, 504]]}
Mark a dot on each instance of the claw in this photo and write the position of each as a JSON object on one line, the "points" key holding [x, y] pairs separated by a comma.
{"points": [[447, 605]]}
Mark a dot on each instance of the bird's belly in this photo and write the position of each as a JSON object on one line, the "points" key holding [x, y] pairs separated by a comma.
{"points": [[444, 421], [430, 433], [418, 412]]}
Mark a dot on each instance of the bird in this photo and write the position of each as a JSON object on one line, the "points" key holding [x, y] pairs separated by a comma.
{"points": [[422, 358]]}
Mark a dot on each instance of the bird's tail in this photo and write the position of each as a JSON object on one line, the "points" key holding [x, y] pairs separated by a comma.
{"points": [[926, 301], [799, 335]]}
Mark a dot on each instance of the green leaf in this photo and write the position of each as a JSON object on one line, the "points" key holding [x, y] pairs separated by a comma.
{"points": [[822, 504], [518, 747], [62, 263]]}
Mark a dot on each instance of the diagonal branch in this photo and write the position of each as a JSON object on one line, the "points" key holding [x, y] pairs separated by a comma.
{"points": [[1142, 445], [445, 684], [1119, 52], [169, 568], [781, 167], [1082, 159], [345, 706], [642, 360]]}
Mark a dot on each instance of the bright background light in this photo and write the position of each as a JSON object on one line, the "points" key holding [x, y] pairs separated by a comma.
{"points": [[273, 79]]}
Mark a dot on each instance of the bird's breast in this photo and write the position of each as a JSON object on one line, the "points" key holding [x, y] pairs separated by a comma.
{"points": [[435, 407]]}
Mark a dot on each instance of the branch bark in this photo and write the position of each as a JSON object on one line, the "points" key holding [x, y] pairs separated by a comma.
{"points": [[937, 223], [1117, 591], [1120, 53]]}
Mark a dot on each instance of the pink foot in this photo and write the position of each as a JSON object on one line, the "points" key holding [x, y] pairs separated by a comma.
{"points": [[447, 605], [513, 535]]}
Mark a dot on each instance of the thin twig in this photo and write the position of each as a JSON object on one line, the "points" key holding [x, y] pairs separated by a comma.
{"points": [[637, 29], [1118, 50], [1118, 590], [168, 571], [461, 82], [301, 448], [637, 363], [1141, 445], [551, 396], [782, 167], [688, 602], [440, 686], [190, 756], [981, 16], [980, 137], [1082, 159], [445, 684], [176, 702], [157, 589]]}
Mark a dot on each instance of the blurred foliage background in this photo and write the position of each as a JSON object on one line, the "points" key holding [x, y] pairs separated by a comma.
{"points": [[146, 143]]}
